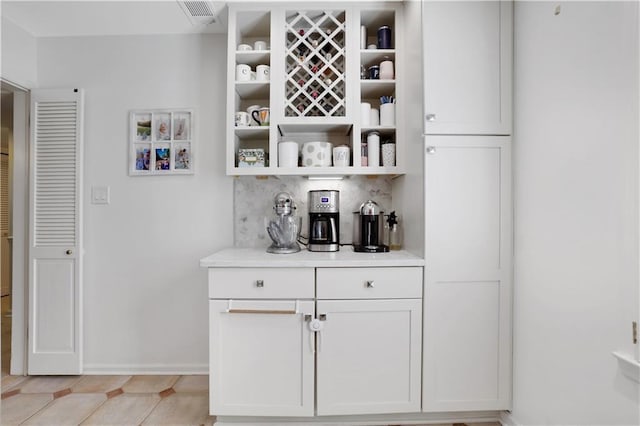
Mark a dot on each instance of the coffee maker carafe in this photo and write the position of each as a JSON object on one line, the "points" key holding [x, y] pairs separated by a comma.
{"points": [[324, 220], [368, 229]]}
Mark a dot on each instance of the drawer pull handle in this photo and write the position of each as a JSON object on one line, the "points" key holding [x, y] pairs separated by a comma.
{"points": [[260, 311], [370, 284], [260, 283]]}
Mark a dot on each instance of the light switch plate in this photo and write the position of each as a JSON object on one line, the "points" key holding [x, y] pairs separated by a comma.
{"points": [[100, 194]]}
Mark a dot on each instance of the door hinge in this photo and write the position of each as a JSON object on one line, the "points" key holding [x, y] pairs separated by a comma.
{"points": [[634, 332]]}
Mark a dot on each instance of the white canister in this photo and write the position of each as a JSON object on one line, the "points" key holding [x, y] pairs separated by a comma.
{"points": [[341, 155], [389, 154], [288, 154], [243, 72], [316, 154], [375, 117], [388, 114], [386, 70], [373, 148], [365, 114]]}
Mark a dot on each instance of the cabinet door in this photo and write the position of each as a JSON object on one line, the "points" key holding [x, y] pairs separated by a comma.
{"points": [[368, 358], [467, 66], [261, 358], [467, 351]]}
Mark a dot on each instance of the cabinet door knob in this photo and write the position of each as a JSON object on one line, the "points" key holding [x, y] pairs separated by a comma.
{"points": [[431, 150], [69, 252], [431, 117], [370, 284], [260, 283]]}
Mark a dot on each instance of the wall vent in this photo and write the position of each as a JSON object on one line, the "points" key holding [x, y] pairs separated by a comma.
{"points": [[199, 12]]}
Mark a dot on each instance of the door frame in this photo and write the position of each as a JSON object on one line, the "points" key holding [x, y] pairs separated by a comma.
{"points": [[19, 169]]}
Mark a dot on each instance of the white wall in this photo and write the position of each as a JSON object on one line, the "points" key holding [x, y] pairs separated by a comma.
{"points": [[576, 219], [18, 62], [145, 296]]}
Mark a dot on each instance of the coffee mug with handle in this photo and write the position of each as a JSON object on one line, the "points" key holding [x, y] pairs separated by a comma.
{"points": [[261, 116], [253, 121], [242, 118]]}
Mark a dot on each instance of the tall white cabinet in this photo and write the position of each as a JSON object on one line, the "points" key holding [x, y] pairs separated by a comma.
{"points": [[468, 206], [468, 274]]}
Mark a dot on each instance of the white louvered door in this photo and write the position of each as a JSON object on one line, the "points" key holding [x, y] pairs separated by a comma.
{"points": [[55, 231]]}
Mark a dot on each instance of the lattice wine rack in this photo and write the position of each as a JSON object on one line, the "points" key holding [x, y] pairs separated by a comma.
{"points": [[315, 64]]}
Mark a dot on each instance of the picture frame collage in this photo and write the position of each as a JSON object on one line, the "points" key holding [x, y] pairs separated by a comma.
{"points": [[161, 142]]}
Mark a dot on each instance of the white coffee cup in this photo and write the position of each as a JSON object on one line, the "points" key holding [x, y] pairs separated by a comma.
{"points": [[341, 156], [242, 118], [260, 45], [252, 121], [288, 154], [243, 72], [262, 73], [386, 70], [244, 47], [388, 114]]}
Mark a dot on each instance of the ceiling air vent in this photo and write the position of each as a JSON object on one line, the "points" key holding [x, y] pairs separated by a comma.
{"points": [[199, 12]]}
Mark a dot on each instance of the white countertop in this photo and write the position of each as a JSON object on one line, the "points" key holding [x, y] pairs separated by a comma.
{"points": [[346, 257]]}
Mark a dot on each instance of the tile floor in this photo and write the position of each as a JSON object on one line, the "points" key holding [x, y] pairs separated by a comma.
{"points": [[105, 400]]}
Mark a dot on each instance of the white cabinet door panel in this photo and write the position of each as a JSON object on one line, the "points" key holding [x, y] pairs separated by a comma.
{"points": [[368, 358], [261, 358], [467, 303], [467, 63]]}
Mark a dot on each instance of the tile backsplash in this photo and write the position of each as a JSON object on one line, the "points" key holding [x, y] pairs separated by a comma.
{"points": [[253, 203]]}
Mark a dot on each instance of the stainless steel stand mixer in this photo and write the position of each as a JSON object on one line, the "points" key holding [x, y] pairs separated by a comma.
{"points": [[284, 229]]}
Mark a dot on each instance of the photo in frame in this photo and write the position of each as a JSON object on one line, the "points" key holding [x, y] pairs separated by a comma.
{"points": [[160, 142]]}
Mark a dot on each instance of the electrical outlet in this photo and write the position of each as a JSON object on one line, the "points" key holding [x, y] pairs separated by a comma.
{"points": [[100, 195]]}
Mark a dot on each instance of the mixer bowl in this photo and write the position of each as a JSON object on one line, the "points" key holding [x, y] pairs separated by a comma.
{"points": [[284, 232]]}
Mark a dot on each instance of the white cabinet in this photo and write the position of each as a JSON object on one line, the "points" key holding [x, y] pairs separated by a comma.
{"points": [[468, 67], [367, 341], [468, 278], [369, 350], [261, 349], [315, 88]]}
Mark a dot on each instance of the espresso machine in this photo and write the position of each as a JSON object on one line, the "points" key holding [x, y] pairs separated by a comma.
{"points": [[324, 220], [368, 229]]}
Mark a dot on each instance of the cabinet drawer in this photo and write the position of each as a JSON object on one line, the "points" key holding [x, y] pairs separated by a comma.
{"points": [[369, 283], [261, 283]]}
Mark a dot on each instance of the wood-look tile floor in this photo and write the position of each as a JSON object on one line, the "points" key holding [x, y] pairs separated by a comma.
{"points": [[105, 400], [110, 400]]}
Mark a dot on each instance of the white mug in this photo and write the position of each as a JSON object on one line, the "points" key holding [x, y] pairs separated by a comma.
{"points": [[386, 70], [260, 45], [262, 73], [341, 156], [253, 121], [242, 118], [243, 72]]}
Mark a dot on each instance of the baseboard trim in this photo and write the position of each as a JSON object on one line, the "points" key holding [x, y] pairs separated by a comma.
{"points": [[364, 420], [507, 419], [146, 369]]}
